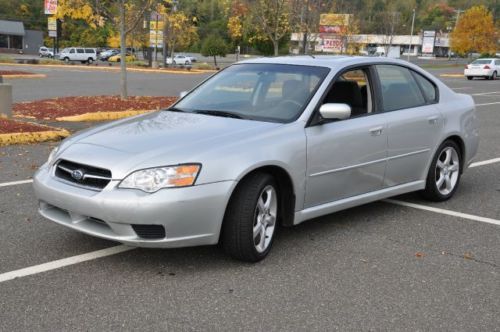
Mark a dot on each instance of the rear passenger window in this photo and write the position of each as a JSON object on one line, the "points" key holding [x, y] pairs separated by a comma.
{"points": [[79, 50], [399, 88], [72, 51], [89, 50], [427, 87]]}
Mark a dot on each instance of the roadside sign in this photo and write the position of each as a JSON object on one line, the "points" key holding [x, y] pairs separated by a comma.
{"points": [[153, 25], [53, 33], [156, 38], [428, 42], [51, 23]]}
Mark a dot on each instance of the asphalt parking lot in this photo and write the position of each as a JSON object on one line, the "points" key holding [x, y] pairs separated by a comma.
{"points": [[404, 264]]}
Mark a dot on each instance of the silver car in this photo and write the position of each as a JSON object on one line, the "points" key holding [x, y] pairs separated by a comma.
{"points": [[264, 143]]}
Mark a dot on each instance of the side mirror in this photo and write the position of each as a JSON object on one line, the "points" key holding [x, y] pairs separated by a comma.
{"points": [[183, 93], [335, 111]]}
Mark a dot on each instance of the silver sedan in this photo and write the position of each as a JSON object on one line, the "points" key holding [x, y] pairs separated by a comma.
{"points": [[262, 144]]}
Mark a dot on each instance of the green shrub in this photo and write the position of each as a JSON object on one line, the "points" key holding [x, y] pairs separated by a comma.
{"points": [[6, 59], [50, 62], [138, 63], [202, 66]]}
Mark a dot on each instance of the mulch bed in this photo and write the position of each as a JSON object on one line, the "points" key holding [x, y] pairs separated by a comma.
{"points": [[70, 106], [14, 72], [11, 126]]}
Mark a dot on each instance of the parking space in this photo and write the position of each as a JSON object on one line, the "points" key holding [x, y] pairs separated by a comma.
{"points": [[380, 266]]}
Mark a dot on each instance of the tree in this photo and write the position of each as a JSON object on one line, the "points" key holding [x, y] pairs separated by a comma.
{"points": [[272, 18], [214, 46], [180, 31], [125, 13], [475, 31]]}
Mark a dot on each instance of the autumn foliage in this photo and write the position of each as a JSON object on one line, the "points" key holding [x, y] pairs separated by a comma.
{"points": [[475, 32]]}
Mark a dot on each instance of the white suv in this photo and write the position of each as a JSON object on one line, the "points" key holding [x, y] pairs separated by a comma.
{"points": [[84, 55]]}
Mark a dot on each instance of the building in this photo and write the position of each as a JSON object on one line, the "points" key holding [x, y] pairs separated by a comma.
{"points": [[369, 44], [15, 39]]}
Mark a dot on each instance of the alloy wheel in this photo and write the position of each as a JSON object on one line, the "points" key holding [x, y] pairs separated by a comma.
{"points": [[265, 218], [447, 170]]}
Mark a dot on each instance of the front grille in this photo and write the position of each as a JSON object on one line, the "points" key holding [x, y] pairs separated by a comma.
{"points": [[150, 231], [83, 175]]}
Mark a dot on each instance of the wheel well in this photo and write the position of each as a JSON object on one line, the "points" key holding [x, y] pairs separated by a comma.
{"points": [[458, 140], [286, 190]]}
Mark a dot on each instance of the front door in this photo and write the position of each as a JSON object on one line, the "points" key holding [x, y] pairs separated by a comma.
{"points": [[347, 158]]}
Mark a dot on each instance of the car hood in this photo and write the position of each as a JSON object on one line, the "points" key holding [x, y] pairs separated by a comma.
{"points": [[157, 139]]}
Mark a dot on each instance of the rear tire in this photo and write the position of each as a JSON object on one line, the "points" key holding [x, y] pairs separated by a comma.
{"points": [[90, 60], [493, 76], [444, 173], [251, 218]]}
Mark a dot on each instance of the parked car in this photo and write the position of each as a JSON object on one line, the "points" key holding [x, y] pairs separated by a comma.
{"points": [[117, 58], [45, 52], [82, 54], [179, 60], [487, 68], [263, 143], [105, 55]]}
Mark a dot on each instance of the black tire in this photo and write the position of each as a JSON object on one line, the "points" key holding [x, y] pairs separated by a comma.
{"points": [[66, 59], [493, 76], [470, 78], [431, 191], [90, 60], [237, 229]]}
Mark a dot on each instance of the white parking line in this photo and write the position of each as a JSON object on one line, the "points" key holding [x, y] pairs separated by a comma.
{"points": [[443, 211], [485, 162], [485, 93], [497, 102], [63, 262], [15, 183]]}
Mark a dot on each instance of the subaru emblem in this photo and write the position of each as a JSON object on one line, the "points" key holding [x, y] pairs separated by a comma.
{"points": [[77, 174]]}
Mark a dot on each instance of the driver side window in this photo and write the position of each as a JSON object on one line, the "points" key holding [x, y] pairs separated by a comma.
{"points": [[352, 88]]}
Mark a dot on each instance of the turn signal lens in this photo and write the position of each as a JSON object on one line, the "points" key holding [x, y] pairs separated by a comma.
{"points": [[153, 179]]}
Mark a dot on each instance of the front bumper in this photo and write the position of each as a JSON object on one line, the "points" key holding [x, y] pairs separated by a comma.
{"points": [[191, 216]]}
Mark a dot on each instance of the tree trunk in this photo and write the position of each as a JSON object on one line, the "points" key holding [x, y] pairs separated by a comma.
{"points": [[276, 47], [215, 61], [123, 52], [304, 43]]}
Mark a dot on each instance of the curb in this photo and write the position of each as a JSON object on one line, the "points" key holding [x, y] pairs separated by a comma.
{"points": [[451, 75], [102, 116], [24, 76], [116, 69], [33, 137]]}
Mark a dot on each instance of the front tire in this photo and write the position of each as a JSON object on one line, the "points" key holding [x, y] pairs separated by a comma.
{"points": [[470, 78], [493, 76], [90, 60], [250, 221], [444, 173]]}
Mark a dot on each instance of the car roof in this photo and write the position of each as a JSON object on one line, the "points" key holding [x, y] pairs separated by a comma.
{"points": [[330, 61], [490, 59]]}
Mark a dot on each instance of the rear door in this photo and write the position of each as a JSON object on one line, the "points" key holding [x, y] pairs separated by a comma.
{"points": [[414, 122]]}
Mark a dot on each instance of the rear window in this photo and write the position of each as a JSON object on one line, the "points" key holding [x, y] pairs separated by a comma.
{"points": [[427, 86], [481, 62]]}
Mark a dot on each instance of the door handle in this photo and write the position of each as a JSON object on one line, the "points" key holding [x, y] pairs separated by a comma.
{"points": [[376, 131], [433, 119]]}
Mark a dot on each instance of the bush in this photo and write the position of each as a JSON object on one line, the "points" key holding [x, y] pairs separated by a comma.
{"points": [[138, 63], [6, 59], [202, 66], [50, 62]]}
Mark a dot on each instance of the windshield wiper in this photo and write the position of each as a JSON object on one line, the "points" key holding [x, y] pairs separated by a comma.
{"points": [[175, 109], [220, 113]]}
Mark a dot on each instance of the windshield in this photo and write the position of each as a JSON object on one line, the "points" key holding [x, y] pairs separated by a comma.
{"points": [[266, 92]]}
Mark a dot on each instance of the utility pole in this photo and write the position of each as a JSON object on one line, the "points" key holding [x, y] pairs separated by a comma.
{"points": [[458, 11], [411, 33]]}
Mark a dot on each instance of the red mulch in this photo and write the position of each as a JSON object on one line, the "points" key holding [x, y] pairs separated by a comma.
{"points": [[11, 126], [14, 72], [68, 106]]}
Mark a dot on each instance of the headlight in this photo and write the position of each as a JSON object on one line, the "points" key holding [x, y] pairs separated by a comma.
{"points": [[153, 179], [52, 155]]}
